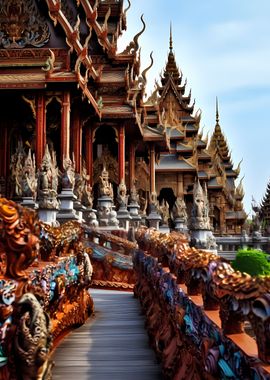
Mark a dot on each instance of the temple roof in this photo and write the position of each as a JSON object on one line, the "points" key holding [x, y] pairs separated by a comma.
{"points": [[169, 162]]}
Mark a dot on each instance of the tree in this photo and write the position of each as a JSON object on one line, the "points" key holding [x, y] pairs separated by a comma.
{"points": [[252, 261]]}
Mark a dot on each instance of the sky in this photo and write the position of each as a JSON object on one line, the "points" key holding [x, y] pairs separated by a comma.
{"points": [[223, 49]]}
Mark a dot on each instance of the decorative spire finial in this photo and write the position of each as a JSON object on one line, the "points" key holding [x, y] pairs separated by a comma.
{"points": [[171, 41], [217, 112]]}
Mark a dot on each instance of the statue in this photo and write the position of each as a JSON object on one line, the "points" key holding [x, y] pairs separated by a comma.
{"points": [[143, 203], [29, 179], [78, 188], [16, 169], [122, 197], [200, 230], [113, 221], [134, 196], [105, 186], [153, 202], [48, 182], [256, 219], [68, 176], [87, 197], [92, 220], [164, 211], [200, 211], [179, 209]]}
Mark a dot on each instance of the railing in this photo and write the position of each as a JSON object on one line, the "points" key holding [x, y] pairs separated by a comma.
{"points": [[238, 297], [227, 246]]}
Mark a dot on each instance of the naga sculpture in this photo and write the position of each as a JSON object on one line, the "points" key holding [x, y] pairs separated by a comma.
{"points": [[19, 238]]}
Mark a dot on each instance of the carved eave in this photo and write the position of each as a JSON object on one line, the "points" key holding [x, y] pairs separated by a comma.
{"points": [[133, 46], [73, 40], [101, 31]]}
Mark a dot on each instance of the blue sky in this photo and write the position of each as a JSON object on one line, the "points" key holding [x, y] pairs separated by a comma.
{"points": [[223, 49]]}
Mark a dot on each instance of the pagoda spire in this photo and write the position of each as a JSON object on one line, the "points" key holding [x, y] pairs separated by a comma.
{"points": [[218, 140], [171, 40], [217, 112], [171, 69]]}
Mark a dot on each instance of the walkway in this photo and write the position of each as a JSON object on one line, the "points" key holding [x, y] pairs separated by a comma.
{"points": [[112, 345]]}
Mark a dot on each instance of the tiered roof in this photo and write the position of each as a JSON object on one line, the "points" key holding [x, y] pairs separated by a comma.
{"points": [[265, 205]]}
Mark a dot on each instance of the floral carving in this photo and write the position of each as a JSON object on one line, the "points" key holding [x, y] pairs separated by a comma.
{"points": [[22, 25]]}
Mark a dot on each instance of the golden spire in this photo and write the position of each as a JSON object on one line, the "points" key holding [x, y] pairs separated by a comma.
{"points": [[171, 41], [217, 112]]}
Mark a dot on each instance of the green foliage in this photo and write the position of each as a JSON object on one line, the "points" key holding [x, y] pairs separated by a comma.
{"points": [[252, 261]]}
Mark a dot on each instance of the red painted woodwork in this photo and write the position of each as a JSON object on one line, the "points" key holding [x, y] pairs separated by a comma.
{"points": [[77, 139], [65, 125], [131, 165], [89, 153], [121, 153], [152, 169], [40, 128]]}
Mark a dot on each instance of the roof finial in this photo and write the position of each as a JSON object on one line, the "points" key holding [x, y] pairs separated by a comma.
{"points": [[217, 112], [171, 42]]}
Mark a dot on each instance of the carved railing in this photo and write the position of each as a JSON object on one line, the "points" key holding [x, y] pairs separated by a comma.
{"points": [[111, 240], [111, 257], [39, 299], [238, 297]]}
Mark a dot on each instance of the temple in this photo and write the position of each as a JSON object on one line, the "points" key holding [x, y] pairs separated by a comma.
{"points": [[65, 86], [264, 211]]}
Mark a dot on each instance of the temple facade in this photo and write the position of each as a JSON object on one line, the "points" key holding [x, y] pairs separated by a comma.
{"points": [[65, 89]]}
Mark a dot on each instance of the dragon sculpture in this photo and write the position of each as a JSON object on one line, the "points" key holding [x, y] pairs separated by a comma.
{"points": [[19, 238]]}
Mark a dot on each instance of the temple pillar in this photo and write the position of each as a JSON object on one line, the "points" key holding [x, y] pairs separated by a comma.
{"points": [[89, 152], [121, 152], [40, 128], [131, 165], [77, 139], [180, 185], [65, 125], [152, 169]]}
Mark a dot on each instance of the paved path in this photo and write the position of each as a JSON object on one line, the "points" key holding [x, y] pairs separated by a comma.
{"points": [[112, 345]]}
